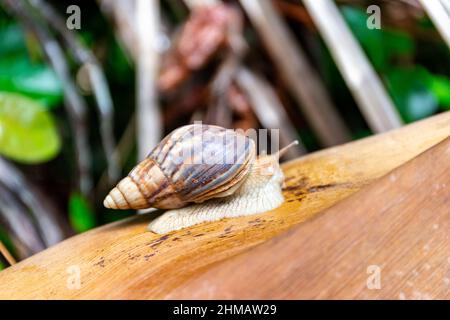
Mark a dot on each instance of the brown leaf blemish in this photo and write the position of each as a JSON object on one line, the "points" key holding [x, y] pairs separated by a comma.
{"points": [[100, 263], [322, 187], [158, 241]]}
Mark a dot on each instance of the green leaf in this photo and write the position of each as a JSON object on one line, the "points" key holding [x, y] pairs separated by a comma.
{"points": [[38, 81], [409, 89], [117, 65], [380, 45], [370, 39], [440, 86], [81, 216], [398, 42], [27, 130], [13, 40]]}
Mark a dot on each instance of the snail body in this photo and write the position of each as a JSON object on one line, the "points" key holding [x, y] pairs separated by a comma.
{"points": [[202, 173]]}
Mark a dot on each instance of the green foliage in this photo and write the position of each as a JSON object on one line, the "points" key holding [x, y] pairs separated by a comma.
{"points": [[379, 44], [27, 130], [117, 65], [13, 40], [19, 74], [37, 81], [440, 86], [81, 216], [417, 93], [411, 93]]}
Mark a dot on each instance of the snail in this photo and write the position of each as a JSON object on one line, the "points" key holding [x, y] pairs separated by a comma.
{"points": [[201, 173]]}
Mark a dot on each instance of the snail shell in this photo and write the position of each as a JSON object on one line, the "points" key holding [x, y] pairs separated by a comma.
{"points": [[196, 164], [260, 192], [175, 173]]}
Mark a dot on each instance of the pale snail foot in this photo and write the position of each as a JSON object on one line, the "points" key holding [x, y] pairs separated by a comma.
{"points": [[247, 201]]}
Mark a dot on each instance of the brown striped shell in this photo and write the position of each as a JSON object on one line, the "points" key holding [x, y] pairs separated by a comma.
{"points": [[192, 164]]}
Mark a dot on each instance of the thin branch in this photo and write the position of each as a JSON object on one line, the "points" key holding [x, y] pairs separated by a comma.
{"points": [[446, 5], [269, 109], [52, 228], [102, 94], [300, 77], [124, 16], [264, 101], [20, 227], [439, 12], [122, 152], [149, 119], [365, 85], [295, 11], [74, 103], [200, 3], [6, 255], [218, 111]]}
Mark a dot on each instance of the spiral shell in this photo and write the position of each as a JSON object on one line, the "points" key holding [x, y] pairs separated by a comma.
{"points": [[192, 164]]}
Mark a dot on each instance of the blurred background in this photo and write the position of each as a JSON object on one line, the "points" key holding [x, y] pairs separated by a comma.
{"points": [[88, 88]]}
